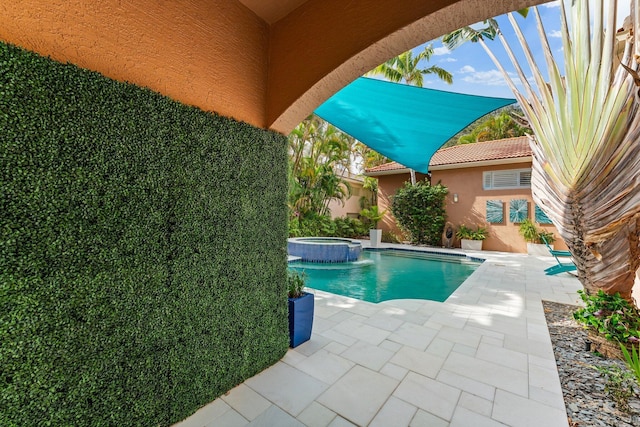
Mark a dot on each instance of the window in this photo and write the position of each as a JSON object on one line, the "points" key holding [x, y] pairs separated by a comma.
{"points": [[514, 178]]}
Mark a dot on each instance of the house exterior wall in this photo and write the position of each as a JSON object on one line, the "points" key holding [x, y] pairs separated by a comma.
{"points": [[471, 207], [212, 54], [351, 207]]}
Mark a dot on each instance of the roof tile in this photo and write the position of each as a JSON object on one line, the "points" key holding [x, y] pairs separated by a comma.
{"points": [[508, 148]]}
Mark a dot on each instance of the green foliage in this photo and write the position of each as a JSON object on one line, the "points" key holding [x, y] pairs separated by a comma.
{"points": [[371, 184], [296, 281], [464, 232], [531, 234], [349, 227], [609, 315], [497, 126], [619, 385], [406, 67], [318, 153], [142, 252], [420, 211], [632, 359], [389, 237], [324, 226], [373, 215]]}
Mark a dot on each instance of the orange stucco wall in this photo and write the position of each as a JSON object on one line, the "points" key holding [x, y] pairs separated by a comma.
{"points": [[212, 54], [221, 56], [471, 207]]}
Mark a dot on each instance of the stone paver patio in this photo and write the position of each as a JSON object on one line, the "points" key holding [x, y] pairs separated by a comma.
{"points": [[481, 358]]}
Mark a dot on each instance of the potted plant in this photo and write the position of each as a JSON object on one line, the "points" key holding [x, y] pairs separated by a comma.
{"points": [[374, 215], [300, 309], [533, 237], [470, 238]]}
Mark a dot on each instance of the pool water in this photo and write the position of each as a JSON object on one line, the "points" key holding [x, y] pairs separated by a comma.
{"points": [[391, 274]]}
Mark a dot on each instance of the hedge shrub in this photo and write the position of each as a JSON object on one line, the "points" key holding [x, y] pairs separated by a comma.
{"points": [[142, 250], [420, 211]]}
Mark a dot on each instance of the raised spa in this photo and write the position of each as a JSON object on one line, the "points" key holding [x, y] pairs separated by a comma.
{"points": [[324, 249]]}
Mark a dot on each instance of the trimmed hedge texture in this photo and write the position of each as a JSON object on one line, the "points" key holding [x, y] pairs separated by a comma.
{"points": [[142, 250]]}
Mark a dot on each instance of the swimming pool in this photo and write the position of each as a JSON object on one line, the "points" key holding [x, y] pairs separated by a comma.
{"points": [[391, 274]]}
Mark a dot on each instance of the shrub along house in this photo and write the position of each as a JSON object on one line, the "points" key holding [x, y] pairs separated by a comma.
{"points": [[489, 185]]}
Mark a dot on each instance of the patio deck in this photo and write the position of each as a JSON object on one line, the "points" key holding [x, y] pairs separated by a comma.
{"points": [[481, 358]]}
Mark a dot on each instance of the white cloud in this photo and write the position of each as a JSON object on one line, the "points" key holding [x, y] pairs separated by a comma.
{"points": [[441, 51], [555, 33], [467, 69], [449, 59], [552, 4], [489, 78]]}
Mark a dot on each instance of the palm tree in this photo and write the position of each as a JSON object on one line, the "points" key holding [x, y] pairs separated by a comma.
{"points": [[497, 126], [586, 166], [320, 156], [405, 67]]}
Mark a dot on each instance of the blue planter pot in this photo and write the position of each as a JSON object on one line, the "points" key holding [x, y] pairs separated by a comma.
{"points": [[300, 319]]}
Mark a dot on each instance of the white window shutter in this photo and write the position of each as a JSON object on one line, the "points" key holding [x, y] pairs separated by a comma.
{"points": [[505, 179], [486, 177]]}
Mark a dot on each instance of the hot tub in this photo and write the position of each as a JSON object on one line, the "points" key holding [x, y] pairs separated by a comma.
{"points": [[324, 249]]}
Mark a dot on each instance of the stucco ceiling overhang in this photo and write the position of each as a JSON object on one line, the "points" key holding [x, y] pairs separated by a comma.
{"points": [[269, 63], [272, 11]]}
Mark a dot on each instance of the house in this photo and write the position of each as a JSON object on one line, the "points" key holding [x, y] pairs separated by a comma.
{"points": [[491, 175], [351, 206]]}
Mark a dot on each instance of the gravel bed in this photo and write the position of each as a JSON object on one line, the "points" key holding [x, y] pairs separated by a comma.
{"points": [[583, 386]]}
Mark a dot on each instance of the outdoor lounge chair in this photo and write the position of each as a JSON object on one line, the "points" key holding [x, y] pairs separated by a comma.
{"points": [[561, 267], [553, 252]]}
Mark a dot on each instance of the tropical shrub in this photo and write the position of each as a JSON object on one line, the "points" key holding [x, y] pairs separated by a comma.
{"points": [[389, 237], [420, 211], [319, 156], [296, 281], [464, 232], [324, 226], [349, 227], [632, 360], [531, 234], [619, 385], [610, 316], [372, 215]]}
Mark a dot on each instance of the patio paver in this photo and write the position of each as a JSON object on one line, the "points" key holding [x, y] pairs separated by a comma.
{"points": [[483, 358]]}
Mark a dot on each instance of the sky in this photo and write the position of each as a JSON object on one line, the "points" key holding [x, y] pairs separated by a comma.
{"points": [[472, 69]]}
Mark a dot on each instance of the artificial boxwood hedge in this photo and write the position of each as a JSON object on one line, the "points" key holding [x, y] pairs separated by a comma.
{"points": [[142, 250]]}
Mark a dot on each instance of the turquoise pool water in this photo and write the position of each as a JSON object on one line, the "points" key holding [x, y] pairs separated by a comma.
{"points": [[391, 274]]}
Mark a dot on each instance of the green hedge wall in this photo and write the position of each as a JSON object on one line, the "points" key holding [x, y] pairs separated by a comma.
{"points": [[142, 250]]}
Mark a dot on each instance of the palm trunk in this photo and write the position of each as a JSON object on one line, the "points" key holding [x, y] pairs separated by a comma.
{"points": [[609, 265]]}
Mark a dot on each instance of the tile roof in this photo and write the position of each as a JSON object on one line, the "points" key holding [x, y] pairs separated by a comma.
{"points": [[508, 148]]}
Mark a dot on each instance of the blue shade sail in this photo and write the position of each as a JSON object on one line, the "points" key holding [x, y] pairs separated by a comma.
{"points": [[495, 212], [518, 210], [405, 123]]}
